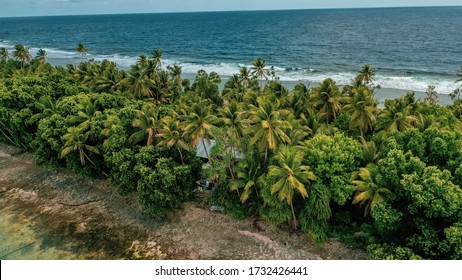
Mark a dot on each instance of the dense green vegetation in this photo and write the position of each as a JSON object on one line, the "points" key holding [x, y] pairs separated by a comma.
{"points": [[324, 160]]}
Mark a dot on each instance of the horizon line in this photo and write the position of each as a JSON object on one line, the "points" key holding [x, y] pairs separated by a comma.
{"points": [[231, 11]]}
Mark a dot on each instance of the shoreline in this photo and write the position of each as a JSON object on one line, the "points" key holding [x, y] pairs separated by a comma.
{"points": [[55, 214]]}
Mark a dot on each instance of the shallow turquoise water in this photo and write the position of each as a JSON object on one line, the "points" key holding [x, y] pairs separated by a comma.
{"points": [[20, 239]]}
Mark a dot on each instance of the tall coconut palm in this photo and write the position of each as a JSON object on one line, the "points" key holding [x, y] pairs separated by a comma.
{"points": [[142, 61], [198, 125], [75, 140], [21, 53], [111, 80], [245, 76], [368, 190], [362, 107], [161, 92], [291, 176], [234, 121], [171, 135], [3, 55], [157, 55], [258, 69], [85, 73], [138, 84], [267, 128], [248, 172], [397, 116], [327, 99], [82, 50], [41, 56], [148, 122], [366, 74], [432, 95], [175, 72]]}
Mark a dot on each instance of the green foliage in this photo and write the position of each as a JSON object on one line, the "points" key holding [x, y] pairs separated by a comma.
{"points": [[453, 243], [386, 217], [164, 186], [273, 210], [391, 252], [408, 175], [314, 218], [122, 174], [47, 144], [333, 159], [432, 194]]}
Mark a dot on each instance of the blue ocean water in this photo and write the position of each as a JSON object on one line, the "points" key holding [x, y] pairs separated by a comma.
{"points": [[410, 47]]}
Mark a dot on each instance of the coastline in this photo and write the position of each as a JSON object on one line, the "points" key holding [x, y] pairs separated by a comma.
{"points": [[54, 214]]}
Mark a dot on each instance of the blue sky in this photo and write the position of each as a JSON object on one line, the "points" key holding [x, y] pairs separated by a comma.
{"points": [[72, 7]]}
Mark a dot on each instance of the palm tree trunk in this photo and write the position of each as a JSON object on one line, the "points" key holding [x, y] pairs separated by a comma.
{"points": [[231, 171], [88, 158], [181, 155], [6, 136], [295, 218], [150, 138]]}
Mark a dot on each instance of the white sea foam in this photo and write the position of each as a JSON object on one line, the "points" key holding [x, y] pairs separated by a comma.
{"points": [[409, 81]]}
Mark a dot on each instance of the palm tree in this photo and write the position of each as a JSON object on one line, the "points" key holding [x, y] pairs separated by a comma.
{"points": [[111, 123], [248, 172], [157, 55], [171, 135], [85, 115], [245, 76], [47, 106], [397, 116], [111, 80], [3, 55], [267, 128], [290, 175], [199, 124], [160, 92], [258, 69], [149, 122], [368, 190], [432, 95], [175, 72], [138, 84], [366, 74], [21, 53], [233, 118], [142, 61], [41, 56], [81, 49], [84, 73], [75, 141], [327, 99], [361, 106]]}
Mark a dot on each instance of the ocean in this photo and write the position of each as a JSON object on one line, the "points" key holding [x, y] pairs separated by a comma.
{"points": [[410, 48]]}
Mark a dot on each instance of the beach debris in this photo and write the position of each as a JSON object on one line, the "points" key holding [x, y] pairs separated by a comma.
{"points": [[217, 208], [80, 204]]}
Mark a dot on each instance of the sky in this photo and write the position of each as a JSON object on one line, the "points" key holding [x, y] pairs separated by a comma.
{"points": [[14, 8]]}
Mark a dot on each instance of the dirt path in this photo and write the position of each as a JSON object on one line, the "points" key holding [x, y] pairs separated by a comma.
{"points": [[54, 214]]}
